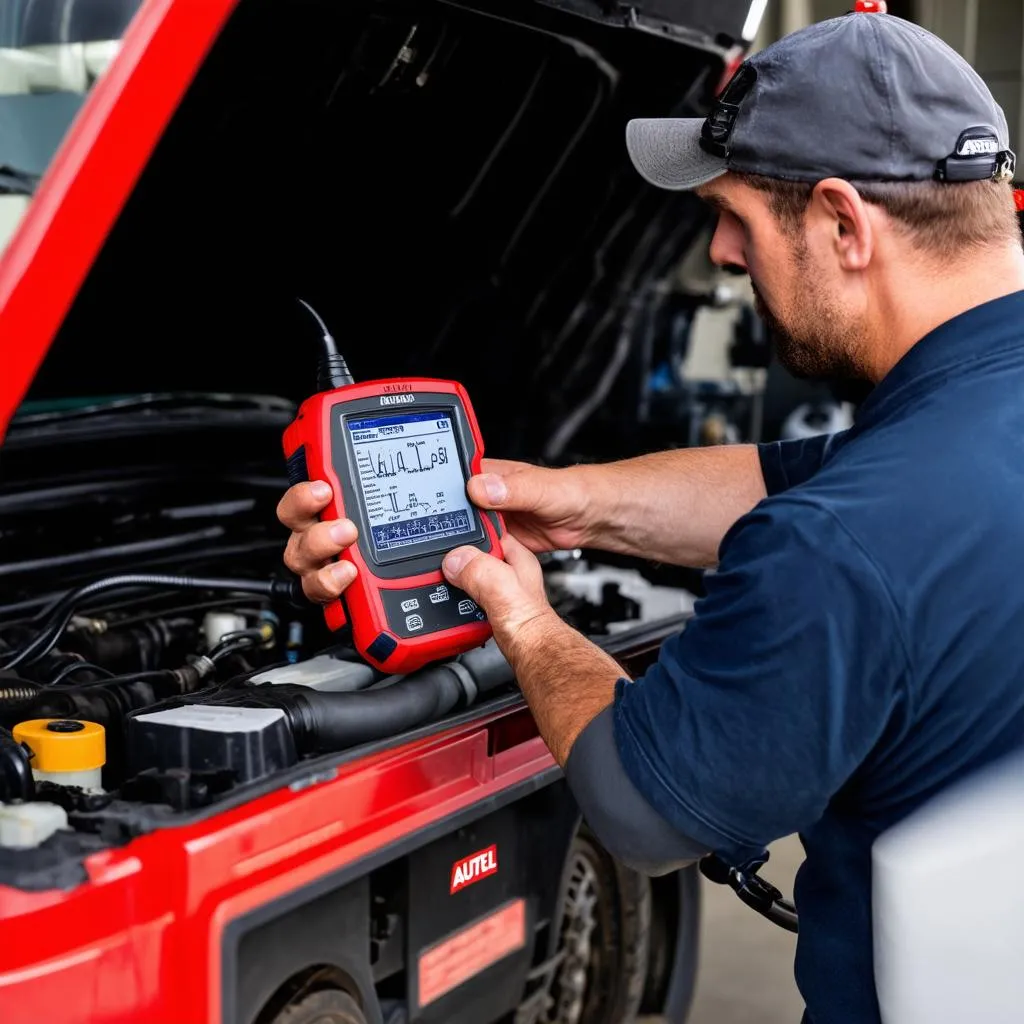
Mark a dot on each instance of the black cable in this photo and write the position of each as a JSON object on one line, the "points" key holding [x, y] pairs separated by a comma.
{"points": [[242, 639], [77, 666], [758, 893], [230, 644], [177, 610], [332, 370], [783, 914], [63, 609]]}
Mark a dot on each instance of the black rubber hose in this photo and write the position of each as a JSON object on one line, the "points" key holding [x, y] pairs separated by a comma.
{"points": [[487, 666], [335, 721], [63, 610], [16, 779], [343, 720]]}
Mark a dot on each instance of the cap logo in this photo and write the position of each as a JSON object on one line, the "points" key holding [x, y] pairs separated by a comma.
{"points": [[718, 128], [978, 156], [976, 147]]}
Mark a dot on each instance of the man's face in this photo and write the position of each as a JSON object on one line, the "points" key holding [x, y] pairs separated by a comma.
{"points": [[796, 289]]}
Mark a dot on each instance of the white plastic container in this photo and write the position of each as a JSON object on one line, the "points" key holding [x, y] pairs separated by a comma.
{"points": [[23, 826], [948, 906]]}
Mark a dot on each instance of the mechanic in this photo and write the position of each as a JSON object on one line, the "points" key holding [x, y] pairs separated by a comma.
{"points": [[858, 647]]}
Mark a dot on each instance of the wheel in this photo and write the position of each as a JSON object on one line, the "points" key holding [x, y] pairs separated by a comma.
{"points": [[674, 946], [606, 916], [328, 1006]]}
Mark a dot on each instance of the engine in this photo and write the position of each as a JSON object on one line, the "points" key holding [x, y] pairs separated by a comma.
{"points": [[199, 686]]}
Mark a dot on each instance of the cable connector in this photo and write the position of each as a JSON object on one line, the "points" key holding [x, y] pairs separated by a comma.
{"points": [[756, 892], [290, 591], [332, 370]]}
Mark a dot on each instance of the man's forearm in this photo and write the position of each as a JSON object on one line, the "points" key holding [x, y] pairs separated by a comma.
{"points": [[569, 684], [567, 680], [672, 506]]}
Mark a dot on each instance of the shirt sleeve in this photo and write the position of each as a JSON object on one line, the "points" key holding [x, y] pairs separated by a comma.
{"points": [[628, 827], [755, 715], [786, 464]]}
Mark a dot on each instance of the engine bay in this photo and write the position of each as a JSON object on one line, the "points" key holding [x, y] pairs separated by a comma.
{"points": [[164, 616], [448, 184]]}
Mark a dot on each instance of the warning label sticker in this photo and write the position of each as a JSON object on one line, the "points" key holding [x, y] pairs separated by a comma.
{"points": [[457, 959]]}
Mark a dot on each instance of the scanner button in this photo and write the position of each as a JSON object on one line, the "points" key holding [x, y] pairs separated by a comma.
{"points": [[382, 648]]}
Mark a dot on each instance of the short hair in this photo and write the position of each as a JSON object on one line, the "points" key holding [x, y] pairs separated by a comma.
{"points": [[940, 218]]}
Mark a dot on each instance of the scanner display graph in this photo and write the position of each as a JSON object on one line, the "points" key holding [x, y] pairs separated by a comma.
{"points": [[411, 479]]}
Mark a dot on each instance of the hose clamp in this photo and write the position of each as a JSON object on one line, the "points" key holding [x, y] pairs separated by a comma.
{"points": [[465, 677]]}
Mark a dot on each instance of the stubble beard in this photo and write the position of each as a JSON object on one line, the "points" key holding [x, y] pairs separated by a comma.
{"points": [[815, 342]]}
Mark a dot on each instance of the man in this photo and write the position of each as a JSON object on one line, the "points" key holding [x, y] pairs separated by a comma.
{"points": [[859, 645]]}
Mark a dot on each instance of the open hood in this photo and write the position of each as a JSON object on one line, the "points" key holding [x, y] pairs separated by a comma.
{"points": [[447, 186]]}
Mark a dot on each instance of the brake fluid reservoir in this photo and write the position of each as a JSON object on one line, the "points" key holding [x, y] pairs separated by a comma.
{"points": [[64, 751]]}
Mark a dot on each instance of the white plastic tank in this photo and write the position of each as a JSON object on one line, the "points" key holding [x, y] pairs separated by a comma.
{"points": [[948, 905]]}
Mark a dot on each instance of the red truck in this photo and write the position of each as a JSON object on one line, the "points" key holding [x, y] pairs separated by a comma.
{"points": [[446, 182]]}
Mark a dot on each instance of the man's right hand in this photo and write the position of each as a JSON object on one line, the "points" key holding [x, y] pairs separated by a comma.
{"points": [[544, 509]]}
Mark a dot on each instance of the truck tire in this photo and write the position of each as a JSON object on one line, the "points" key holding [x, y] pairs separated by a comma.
{"points": [[606, 916], [327, 1006]]}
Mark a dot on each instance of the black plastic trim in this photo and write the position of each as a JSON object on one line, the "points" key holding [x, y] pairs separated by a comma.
{"points": [[235, 929], [383, 647], [298, 472]]}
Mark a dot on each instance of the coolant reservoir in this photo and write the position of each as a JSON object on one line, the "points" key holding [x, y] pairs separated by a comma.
{"points": [[64, 751]]}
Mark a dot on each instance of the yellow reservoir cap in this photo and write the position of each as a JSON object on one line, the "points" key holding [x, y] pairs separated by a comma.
{"points": [[63, 745]]}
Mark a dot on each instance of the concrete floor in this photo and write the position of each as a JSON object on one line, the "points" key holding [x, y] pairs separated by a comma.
{"points": [[746, 970]]}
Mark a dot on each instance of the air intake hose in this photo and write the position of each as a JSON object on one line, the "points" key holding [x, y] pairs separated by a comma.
{"points": [[330, 723], [323, 721]]}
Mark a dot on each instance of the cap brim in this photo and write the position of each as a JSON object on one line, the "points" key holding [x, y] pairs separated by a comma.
{"points": [[666, 152]]}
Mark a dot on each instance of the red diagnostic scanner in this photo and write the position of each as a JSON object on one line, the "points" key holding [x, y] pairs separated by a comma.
{"points": [[397, 454]]}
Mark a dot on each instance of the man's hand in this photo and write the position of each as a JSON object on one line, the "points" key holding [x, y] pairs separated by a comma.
{"points": [[313, 545], [510, 591], [565, 678], [544, 509]]}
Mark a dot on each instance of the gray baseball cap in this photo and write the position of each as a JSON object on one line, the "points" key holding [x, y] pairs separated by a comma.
{"points": [[865, 97]]}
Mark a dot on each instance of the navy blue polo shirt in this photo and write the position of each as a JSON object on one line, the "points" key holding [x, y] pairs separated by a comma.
{"points": [[861, 645]]}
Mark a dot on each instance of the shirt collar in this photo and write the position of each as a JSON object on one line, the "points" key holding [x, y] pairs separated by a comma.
{"points": [[954, 347]]}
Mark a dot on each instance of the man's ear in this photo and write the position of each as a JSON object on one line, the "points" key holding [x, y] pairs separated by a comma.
{"points": [[839, 206]]}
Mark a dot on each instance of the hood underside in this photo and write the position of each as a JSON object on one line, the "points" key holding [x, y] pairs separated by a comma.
{"points": [[448, 188]]}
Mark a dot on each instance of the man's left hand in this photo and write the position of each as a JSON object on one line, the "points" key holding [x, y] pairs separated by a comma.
{"points": [[511, 592]]}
